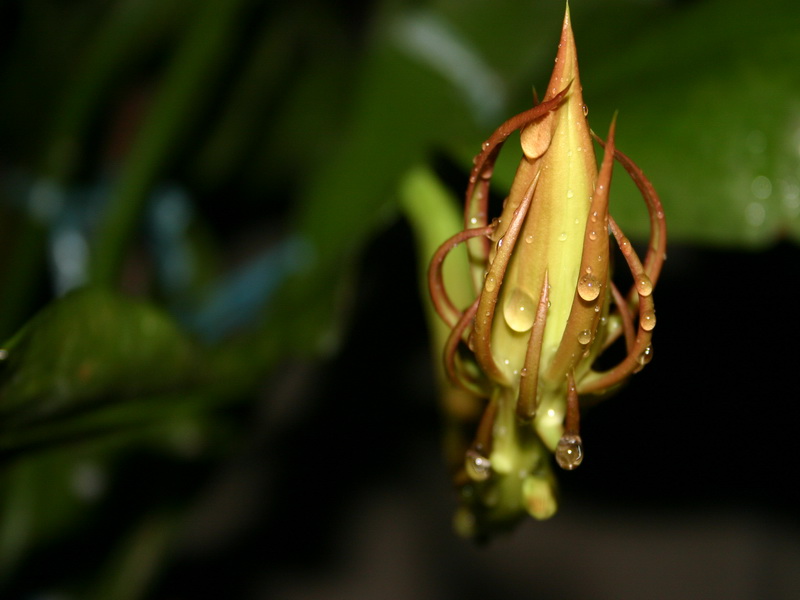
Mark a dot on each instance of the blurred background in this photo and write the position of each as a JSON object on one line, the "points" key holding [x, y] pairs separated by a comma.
{"points": [[216, 377]]}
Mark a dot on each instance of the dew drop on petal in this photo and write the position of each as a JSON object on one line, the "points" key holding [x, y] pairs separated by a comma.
{"points": [[491, 283], [569, 451], [519, 310], [593, 235], [648, 320], [584, 337], [529, 239], [562, 237], [643, 284], [477, 465], [588, 287]]}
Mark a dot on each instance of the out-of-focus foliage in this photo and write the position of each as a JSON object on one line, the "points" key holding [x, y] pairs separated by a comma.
{"points": [[225, 161]]}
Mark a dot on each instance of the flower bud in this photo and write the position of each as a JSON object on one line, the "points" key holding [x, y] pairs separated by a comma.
{"points": [[545, 304]]}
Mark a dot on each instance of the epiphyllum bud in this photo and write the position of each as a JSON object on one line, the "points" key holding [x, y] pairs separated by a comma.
{"points": [[545, 306]]}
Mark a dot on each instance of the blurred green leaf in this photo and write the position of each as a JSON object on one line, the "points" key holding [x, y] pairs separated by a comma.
{"points": [[91, 347]]}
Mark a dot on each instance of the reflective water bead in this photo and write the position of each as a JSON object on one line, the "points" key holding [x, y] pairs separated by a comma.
{"points": [[646, 356], [643, 284], [569, 451], [491, 283], [584, 337], [588, 287], [478, 467], [648, 320], [519, 310]]}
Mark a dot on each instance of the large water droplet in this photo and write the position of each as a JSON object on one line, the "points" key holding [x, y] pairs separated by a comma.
{"points": [[477, 465], [569, 451], [529, 239], [648, 320], [643, 284], [593, 235], [588, 287], [584, 337], [519, 310], [490, 284]]}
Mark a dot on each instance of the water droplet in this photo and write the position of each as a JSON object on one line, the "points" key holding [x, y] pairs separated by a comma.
{"points": [[529, 239], [648, 320], [643, 284], [477, 465], [584, 337], [473, 221], [491, 283], [569, 451], [485, 145], [646, 356], [519, 310], [588, 287], [585, 111], [596, 308], [594, 217], [562, 237], [499, 243], [570, 193], [593, 235], [523, 372]]}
